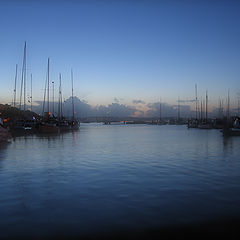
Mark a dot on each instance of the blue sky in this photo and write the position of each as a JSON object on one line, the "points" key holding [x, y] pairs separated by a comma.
{"points": [[129, 50]]}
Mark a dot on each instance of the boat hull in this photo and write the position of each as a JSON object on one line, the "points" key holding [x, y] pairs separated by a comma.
{"points": [[231, 132], [4, 134], [49, 128]]}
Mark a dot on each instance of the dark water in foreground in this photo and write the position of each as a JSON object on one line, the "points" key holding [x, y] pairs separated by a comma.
{"points": [[107, 178]]}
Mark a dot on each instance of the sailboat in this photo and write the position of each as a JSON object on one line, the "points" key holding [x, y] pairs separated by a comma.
{"points": [[23, 123], [206, 124], [161, 121], [48, 123], [64, 124], [231, 126], [193, 123], [74, 122]]}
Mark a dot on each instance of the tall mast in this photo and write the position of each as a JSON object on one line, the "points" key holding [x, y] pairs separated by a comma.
{"points": [[23, 80], [44, 99], [178, 109], [48, 108], [206, 105], [31, 92], [238, 106], [196, 99], [228, 106], [72, 96], [25, 71], [60, 97], [221, 104], [222, 110], [199, 112], [219, 108], [160, 110], [15, 87], [53, 97]]}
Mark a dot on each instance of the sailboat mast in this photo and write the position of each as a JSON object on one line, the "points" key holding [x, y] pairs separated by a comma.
{"points": [[23, 80], [196, 100], [44, 98], [48, 108], [178, 109], [72, 96], [53, 97], [238, 106], [15, 87], [25, 70], [220, 108], [228, 106], [206, 106], [60, 98], [31, 92], [160, 110]]}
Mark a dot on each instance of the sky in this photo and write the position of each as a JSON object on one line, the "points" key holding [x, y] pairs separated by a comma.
{"points": [[126, 52]]}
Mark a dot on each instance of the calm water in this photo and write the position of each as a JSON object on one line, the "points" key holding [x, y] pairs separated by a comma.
{"points": [[117, 177]]}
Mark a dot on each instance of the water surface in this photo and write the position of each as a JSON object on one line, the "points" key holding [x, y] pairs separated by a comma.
{"points": [[102, 178]]}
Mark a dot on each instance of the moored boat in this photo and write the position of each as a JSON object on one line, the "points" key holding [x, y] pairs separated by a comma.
{"points": [[64, 125], [4, 134], [231, 132], [48, 127], [192, 123], [74, 124]]}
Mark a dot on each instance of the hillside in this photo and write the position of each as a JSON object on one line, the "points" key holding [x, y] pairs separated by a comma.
{"points": [[10, 113]]}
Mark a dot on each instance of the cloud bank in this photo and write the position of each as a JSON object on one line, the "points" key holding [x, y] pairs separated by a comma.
{"points": [[138, 109]]}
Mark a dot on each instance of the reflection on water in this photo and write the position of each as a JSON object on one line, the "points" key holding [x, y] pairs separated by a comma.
{"points": [[117, 177]]}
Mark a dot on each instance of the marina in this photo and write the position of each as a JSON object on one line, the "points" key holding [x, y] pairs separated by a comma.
{"points": [[119, 120]]}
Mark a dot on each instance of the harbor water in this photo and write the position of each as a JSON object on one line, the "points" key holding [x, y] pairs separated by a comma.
{"points": [[105, 178]]}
